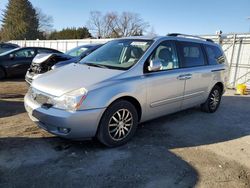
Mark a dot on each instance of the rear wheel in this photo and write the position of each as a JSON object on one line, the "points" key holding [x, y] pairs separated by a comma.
{"points": [[2, 73], [118, 124], [213, 101]]}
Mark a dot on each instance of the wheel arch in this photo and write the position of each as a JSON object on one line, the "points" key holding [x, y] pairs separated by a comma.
{"points": [[221, 85], [133, 101], [5, 71]]}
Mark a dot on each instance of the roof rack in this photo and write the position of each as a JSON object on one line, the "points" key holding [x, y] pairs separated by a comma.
{"points": [[191, 36]]}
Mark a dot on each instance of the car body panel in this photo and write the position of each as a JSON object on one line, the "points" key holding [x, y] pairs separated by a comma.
{"points": [[164, 93], [53, 119], [61, 84]]}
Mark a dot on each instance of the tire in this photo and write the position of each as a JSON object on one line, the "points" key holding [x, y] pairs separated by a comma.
{"points": [[118, 124], [213, 101], [2, 73]]}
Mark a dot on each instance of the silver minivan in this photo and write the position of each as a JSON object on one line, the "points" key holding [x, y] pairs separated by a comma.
{"points": [[125, 82]]}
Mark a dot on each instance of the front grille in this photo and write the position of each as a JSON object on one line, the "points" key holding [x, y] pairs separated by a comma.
{"points": [[39, 68], [39, 97]]}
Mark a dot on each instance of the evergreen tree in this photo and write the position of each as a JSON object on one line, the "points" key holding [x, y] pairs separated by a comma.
{"points": [[71, 33], [19, 21]]}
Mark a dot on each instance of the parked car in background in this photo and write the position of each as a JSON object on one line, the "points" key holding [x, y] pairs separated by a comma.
{"points": [[45, 62], [125, 82], [17, 61], [4, 47]]}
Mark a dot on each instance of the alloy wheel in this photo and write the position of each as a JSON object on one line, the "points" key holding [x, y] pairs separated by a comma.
{"points": [[214, 99], [120, 124]]}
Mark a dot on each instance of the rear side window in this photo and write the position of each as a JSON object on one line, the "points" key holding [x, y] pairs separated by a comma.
{"points": [[215, 55], [191, 54]]}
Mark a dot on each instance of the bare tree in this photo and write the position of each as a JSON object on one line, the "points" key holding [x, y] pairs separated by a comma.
{"points": [[96, 23], [151, 32], [110, 25], [45, 21], [115, 25], [130, 24]]}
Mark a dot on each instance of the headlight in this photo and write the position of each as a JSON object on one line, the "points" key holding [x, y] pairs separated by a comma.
{"points": [[70, 101]]}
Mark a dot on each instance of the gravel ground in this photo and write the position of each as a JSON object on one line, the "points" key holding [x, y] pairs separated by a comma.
{"points": [[185, 149]]}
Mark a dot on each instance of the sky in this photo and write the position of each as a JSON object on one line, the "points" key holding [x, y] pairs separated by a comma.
{"points": [[165, 16]]}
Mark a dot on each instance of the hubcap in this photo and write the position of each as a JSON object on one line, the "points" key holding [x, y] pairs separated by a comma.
{"points": [[214, 100], [120, 124]]}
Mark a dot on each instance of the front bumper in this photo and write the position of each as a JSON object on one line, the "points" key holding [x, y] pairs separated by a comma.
{"points": [[80, 124]]}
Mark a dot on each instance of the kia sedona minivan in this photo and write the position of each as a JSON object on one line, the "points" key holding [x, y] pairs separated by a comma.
{"points": [[125, 82]]}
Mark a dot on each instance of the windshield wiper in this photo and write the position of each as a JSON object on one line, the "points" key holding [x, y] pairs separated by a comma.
{"points": [[96, 65]]}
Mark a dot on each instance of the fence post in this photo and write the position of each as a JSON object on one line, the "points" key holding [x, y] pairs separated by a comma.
{"points": [[237, 63], [66, 46], [232, 56]]}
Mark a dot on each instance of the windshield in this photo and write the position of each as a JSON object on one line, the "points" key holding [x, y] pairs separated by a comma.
{"points": [[8, 52], [75, 52], [118, 54]]}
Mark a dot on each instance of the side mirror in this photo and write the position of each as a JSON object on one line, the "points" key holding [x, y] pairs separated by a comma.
{"points": [[155, 65], [12, 56]]}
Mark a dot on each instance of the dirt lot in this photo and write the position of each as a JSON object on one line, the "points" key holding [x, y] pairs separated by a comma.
{"points": [[186, 149]]}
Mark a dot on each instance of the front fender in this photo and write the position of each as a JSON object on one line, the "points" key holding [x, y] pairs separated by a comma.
{"points": [[103, 96]]}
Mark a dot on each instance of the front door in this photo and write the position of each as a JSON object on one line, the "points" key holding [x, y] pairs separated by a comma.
{"points": [[164, 90], [21, 61]]}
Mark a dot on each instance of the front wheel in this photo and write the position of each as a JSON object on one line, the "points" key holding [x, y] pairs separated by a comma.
{"points": [[118, 124], [213, 101]]}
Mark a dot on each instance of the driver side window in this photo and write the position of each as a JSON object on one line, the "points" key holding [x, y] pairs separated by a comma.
{"points": [[166, 53], [25, 53]]}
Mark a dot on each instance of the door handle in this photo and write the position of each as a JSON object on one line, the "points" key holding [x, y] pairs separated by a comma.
{"points": [[184, 77], [217, 70]]}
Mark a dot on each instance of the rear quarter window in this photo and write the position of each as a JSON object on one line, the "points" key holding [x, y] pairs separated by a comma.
{"points": [[215, 55]]}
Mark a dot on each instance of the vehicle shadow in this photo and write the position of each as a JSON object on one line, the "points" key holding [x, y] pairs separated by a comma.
{"points": [[146, 161], [194, 128], [55, 162], [10, 108], [14, 79]]}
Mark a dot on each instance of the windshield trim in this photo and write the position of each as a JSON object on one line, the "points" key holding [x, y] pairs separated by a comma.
{"points": [[102, 66]]}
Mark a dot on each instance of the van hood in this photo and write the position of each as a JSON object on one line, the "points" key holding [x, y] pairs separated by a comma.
{"points": [[72, 77]]}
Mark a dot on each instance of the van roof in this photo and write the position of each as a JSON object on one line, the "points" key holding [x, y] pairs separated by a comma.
{"points": [[176, 36]]}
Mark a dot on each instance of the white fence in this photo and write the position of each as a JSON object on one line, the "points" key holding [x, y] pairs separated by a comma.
{"points": [[61, 45], [235, 46]]}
